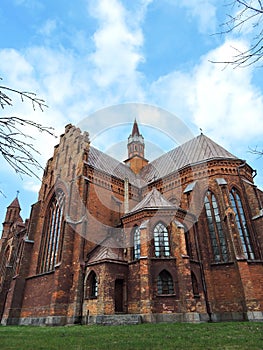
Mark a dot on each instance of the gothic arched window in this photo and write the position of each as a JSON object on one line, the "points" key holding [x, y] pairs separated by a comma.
{"points": [[136, 243], [241, 224], [165, 283], [53, 235], [161, 240], [217, 237]]}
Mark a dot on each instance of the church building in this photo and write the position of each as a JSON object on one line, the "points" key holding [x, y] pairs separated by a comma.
{"points": [[177, 239]]}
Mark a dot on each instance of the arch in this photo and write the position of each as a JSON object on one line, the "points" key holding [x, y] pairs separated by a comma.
{"points": [[161, 240], [217, 237], [136, 242], [53, 233], [165, 283], [241, 223]]}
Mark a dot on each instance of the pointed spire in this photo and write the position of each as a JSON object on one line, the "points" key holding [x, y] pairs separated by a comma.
{"points": [[14, 204], [135, 129]]}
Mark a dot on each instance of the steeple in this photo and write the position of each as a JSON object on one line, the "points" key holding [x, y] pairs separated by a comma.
{"points": [[136, 159], [12, 216], [13, 211], [135, 142]]}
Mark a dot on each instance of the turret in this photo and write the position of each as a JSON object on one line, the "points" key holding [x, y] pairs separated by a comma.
{"points": [[12, 216], [136, 160]]}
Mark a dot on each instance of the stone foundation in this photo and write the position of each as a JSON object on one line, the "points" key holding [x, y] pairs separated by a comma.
{"points": [[129, 319]]}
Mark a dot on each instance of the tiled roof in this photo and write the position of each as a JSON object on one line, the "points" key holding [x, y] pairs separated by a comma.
{"points": [[153, 200], [197, 150], [109, 249], [111, 166], [106, 253]]}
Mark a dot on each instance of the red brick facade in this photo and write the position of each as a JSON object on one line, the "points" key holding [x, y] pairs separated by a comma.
{"points": [[77, 257]]}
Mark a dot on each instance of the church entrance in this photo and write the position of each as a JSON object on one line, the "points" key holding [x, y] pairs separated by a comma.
{"points": [[119, 295]]}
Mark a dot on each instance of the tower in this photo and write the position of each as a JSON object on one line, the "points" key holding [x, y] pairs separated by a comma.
{"points": [[12, 216], [136, 160]]}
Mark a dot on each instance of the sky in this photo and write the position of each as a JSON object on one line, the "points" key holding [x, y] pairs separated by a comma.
{"points": [[85, 56]]}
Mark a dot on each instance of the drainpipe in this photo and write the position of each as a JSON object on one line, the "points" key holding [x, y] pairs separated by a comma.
{"points": [[126, 195], [199, 257]]}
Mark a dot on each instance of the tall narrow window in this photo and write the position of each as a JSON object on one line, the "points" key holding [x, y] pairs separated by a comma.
{"points": [[136, 243], [92, 286], [51, 249], [165, 283], [161, 240], [217, 236], [241, 224]]}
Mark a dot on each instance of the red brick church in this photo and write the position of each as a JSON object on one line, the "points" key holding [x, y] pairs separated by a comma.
{"points": [[176, 239]]}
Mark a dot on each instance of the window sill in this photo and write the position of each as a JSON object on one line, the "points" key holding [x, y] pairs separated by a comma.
{"points": [[222, 263], [41, 274], [166, 295], [163, 258], [91, 298]]}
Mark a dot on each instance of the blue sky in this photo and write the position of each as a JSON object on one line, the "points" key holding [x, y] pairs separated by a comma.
{"points": [[85, 55]]}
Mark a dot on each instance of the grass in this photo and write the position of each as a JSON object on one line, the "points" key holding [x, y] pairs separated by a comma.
{"points": [[163, 336]]}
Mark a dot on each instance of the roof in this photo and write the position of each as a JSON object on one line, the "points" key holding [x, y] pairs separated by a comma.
{"points": [[109, 249], [197, 150], [135, 129], [153, 200], [15, 203], [111, 166]]}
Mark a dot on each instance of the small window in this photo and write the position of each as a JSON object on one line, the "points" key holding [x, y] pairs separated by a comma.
{"points": [[165, 283], [161, 241], [136, 243], [92, 286]]}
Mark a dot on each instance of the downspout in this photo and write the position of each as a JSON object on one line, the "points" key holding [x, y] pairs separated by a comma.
{"points": [[82, 249], [199, 257], [126, 195]]}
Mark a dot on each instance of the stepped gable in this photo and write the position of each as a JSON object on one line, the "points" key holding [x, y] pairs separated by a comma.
{"points": [[153, 200], [194, 151]]}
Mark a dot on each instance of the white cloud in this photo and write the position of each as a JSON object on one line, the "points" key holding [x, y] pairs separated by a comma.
{"points": [[222, 101], [48, 27], [204, 11], [226, 102], [118, 48]]}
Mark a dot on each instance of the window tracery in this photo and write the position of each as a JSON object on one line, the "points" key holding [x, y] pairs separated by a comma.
{"points": [[217, 237], [161, 240]]}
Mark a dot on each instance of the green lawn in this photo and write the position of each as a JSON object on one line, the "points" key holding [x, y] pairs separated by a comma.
{"points": [[231, 335]]}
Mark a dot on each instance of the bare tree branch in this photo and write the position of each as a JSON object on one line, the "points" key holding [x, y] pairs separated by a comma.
{"points": [[15, 144], [249, 13], [256, 151]]}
